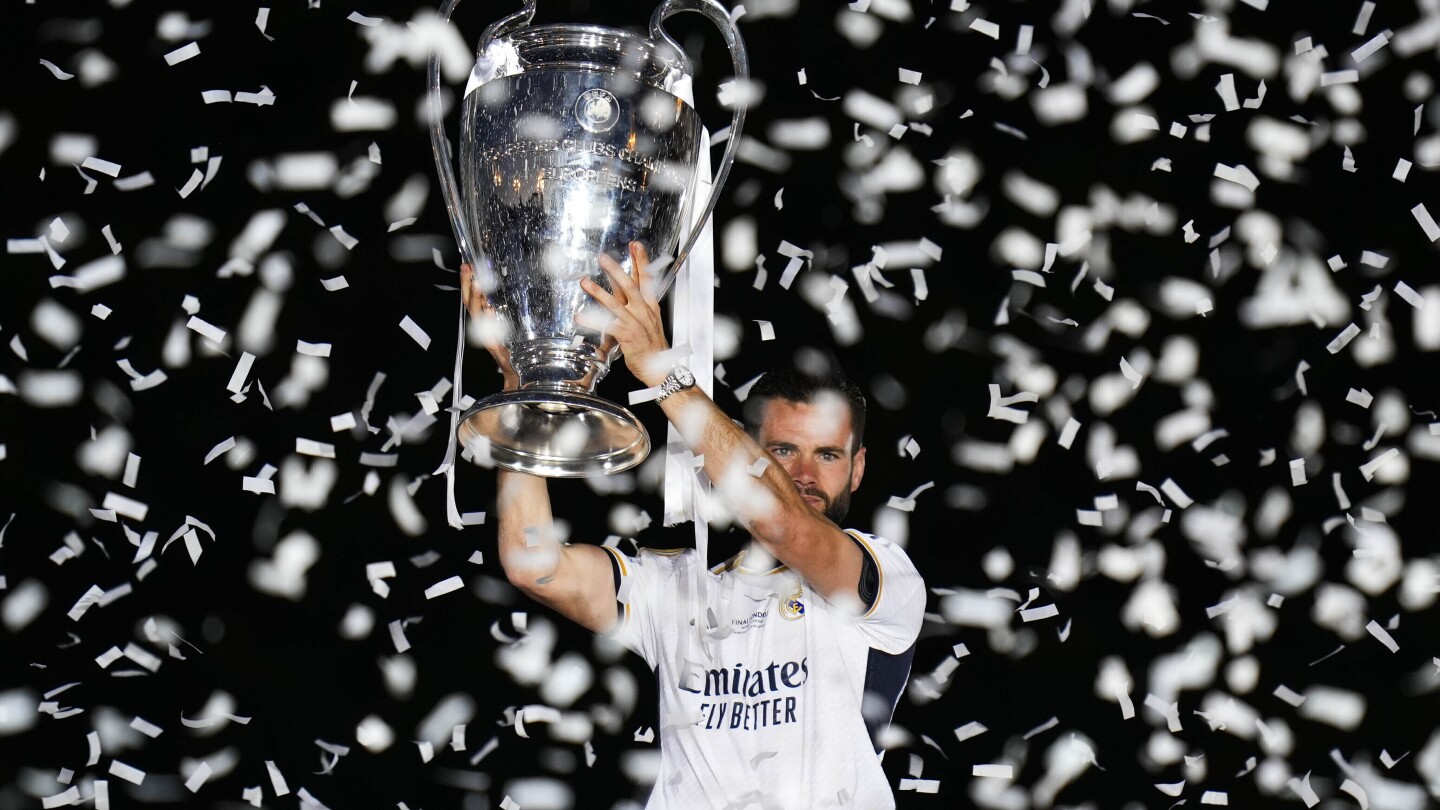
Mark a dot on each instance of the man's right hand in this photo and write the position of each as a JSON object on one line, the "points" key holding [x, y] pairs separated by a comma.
{"points": [[481, 310]]}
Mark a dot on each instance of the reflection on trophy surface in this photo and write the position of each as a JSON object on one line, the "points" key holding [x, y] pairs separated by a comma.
{"points": [[575, 140]]}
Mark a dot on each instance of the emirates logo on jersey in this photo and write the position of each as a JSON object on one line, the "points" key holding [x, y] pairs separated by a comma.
{"points": [[793, 606], [772, 684]]}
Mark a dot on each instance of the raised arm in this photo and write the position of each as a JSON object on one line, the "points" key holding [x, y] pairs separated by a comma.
{"points": [[574, 580], [764, 496]]}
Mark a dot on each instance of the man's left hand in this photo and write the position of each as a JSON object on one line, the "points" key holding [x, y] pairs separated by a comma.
{"points": [[635, 310]]}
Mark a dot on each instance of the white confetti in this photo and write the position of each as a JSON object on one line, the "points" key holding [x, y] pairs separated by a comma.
{"points": [[1368, 468], [1068, 433], [397, 636], [1339, 708], [345, 239], [205, 329], [104, 167], [415, 332], [1240, 175], [277, 780], [1411, 297], [182, 53], [999, 406], [190, 185], [1349, 786], [310, 447], [1130, 374], [129, 507], [1427, 222], [146, 727], [1382, 636], [64, 799], [199, 777], [129, 773], [1362, 19], [1176, 494], [220, 449], [1226, 89], [1369, 49], [1038, 613], [970, 729], [993, 771], [259, 486], [443, 587], [985, 27], [56, 71], [1301, 788], [1343, 339], [242, 370]]}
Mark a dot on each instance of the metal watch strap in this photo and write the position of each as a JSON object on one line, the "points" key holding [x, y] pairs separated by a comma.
{"points": [[670, 385]]}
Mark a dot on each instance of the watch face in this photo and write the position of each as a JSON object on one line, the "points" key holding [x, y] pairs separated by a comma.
{"points": [[684, 377]]}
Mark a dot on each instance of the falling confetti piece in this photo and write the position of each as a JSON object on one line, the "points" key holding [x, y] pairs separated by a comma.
{"points": [[182, 53], [415, 332], [993, 771]]}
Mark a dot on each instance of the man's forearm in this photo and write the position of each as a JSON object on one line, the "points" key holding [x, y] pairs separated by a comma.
{"points": [[760, 501], [529, 549]]}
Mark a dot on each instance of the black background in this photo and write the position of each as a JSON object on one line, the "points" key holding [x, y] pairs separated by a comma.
{"points": [[283, 661]]}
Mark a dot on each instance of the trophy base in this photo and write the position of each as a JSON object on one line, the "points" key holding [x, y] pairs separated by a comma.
{"points": [[555, 434]]}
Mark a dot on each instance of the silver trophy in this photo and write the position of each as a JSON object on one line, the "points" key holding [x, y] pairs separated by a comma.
{"points": [[574, 141]]}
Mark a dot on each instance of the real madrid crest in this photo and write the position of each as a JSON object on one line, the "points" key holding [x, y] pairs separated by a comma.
{"points": [[792, 607]]}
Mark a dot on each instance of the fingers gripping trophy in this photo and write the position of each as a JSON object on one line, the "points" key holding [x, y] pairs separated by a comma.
{"points": [[578, 144]]}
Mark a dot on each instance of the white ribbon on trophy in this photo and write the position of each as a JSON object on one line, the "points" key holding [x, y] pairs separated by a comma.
{"points": [[447, 466], [692, 318]]}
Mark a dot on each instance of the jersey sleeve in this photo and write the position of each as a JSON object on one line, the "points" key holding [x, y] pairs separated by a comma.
{"points": [[893, 622], [649, 582]]}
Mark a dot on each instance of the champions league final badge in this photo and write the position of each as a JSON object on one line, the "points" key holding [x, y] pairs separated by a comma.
{"points": [[793, 607], [597, 109]]}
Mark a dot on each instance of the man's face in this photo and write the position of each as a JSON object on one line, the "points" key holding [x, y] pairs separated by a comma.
{"points": [[812, 441]]}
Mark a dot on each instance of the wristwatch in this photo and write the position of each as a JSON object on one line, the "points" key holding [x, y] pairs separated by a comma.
{"points": [[678, 379]]}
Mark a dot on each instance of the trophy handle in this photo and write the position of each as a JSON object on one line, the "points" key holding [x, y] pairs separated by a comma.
{"points": [[717, 14], [440, 144], [505, 25]]}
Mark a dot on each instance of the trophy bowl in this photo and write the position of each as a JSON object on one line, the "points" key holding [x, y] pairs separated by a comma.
{"points": [[575, 140]]}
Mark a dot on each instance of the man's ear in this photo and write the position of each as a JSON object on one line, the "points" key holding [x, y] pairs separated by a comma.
{"points": [[857, 469]]}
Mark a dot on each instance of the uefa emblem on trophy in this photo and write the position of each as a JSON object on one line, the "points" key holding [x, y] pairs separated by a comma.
{"points": [[575, 140]]}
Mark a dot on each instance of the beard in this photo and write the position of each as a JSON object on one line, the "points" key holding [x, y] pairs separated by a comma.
{"points": [[834, 508]]}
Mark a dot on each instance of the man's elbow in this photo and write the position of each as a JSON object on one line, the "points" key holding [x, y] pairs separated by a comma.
{"points": [[790, 527], [529, 572]]}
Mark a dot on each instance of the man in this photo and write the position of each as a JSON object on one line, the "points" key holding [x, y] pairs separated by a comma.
{"points": [[808, 632]]}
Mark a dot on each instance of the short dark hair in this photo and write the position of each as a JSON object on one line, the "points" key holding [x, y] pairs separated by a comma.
{"points": [[794, 385]]}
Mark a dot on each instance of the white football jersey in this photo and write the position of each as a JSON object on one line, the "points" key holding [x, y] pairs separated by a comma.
{"points": [[777, 707]]}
